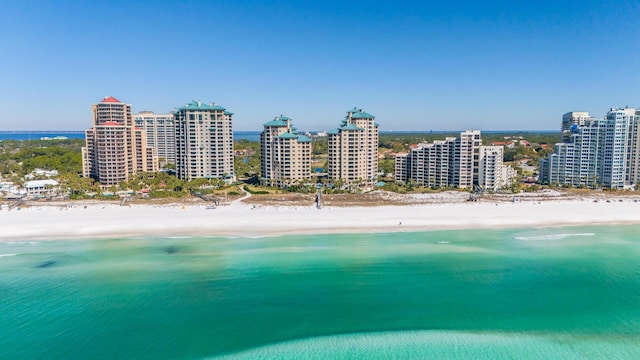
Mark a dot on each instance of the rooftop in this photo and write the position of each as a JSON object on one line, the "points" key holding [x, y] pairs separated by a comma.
{"points": [[287, 135], [303, 138], [278, 121], [199, 105], [110, 99], [359, 114], [350, 127], [40, 183]]}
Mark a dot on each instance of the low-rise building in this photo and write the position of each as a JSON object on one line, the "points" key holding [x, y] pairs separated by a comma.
{"points": [[40, 187]]}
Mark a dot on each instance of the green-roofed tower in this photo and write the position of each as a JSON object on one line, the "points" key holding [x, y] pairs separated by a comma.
{"points": [[285, 154], [353, 148], [204, 142]]}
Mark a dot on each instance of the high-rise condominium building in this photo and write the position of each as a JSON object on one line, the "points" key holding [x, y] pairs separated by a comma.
{"points": [[459, 162], [492, 173], [573, 119], [353, 148], [115, 147], [466, 159], [598, 152], [161, 134], [428, 164], [285, 154], [204, 142]]}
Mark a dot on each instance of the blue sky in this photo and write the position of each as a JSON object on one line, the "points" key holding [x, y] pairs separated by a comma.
{"points": [[416, 65]]}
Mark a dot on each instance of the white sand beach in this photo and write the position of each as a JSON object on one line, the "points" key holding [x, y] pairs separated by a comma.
{"points": [[240, 219]]}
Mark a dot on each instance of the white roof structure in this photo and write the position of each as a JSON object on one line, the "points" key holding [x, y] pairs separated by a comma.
{"points": [[34, 184]]}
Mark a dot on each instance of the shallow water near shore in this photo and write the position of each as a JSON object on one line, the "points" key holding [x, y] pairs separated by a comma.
{"points": [[571, 292]]}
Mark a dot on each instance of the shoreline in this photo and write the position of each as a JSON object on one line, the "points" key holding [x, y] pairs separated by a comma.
{"points": [[99, 221]]}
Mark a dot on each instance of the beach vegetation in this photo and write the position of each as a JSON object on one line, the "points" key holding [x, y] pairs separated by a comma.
{"points": [[253, 191], [78, 187], [319, 146], [247, 164], [22, 157], [387, 165]]}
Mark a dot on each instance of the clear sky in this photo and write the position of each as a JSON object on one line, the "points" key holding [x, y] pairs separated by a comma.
{"points": [[415, 65]]}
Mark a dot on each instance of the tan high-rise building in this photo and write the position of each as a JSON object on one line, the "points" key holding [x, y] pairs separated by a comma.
{"points": [[353, 148], [204, 142], [115, 148], [285, 154]]}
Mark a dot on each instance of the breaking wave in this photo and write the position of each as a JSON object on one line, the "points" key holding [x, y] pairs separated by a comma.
{"points": [[424, 344]]}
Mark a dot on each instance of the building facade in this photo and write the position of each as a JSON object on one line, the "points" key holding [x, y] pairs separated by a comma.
{"points": [[459, 162], [204, 142], [577, 118], [597, 152], [465, 159], [160, 131], [285, 154], [115, 148], [353, 149], [493, 175]]}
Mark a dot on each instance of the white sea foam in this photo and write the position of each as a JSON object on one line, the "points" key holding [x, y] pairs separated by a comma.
{"points": [[4, 255], [551, 236], [440, 345]]}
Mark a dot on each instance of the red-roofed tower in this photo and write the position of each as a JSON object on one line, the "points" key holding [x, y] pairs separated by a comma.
{"points": [[115, 149]]}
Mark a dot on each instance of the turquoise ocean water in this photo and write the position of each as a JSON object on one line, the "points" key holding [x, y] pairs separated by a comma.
{"points": [[495, 294]]}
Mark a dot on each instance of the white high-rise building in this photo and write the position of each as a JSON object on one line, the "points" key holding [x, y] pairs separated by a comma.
{"points": [[465, 160], [204, 142], [492, 173], [572, 119], [455, 162], [599, 152], [428, 164], [353, 148], [285, 154], [161, 134]]}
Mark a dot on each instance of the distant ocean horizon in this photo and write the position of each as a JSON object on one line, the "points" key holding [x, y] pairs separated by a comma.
{"points": [[237, 135], [38, 135]]}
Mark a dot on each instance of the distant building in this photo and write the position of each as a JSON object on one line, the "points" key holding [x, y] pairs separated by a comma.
{"points": [[457, 162], [401, 166], [115, 148], [37, 172], [285, 154], [353, 148], [597, 152], [204, 142], [160, 130]]}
